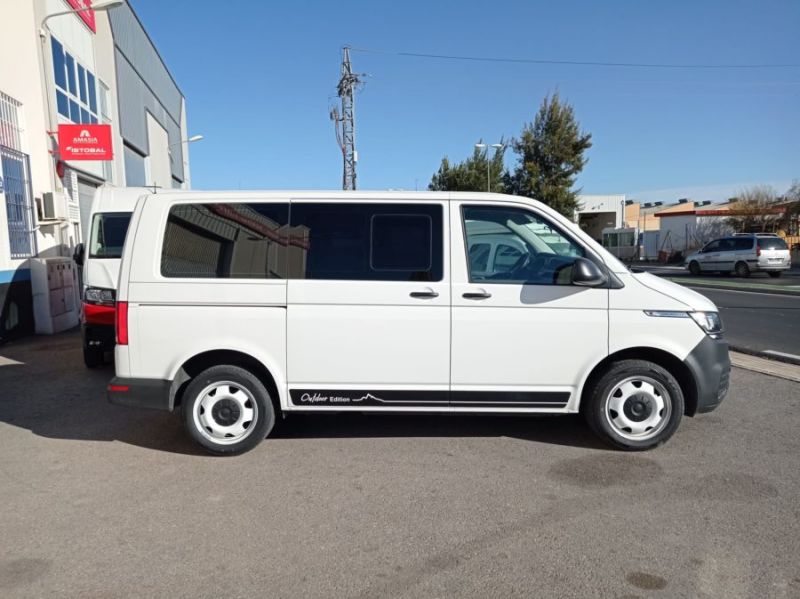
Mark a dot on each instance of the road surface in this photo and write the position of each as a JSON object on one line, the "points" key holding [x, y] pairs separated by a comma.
{"points": [[759, 322], [106, 501]]}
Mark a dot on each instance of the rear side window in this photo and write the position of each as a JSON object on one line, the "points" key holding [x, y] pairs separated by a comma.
{"points": [[743, 243], [226, 241], [368, 242], [772, 243]]}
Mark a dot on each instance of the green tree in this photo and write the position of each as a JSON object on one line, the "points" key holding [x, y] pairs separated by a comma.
{"points": [[550, 155], [471, 175]]}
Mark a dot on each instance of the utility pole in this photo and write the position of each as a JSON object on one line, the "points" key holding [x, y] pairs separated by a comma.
{"points": [[345, 123]]}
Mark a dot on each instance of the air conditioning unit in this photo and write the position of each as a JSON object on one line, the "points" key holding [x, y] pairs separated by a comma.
{"points": [[54, 206]]}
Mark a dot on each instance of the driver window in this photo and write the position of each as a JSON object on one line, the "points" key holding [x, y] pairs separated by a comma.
{"points": [[512, 245]]}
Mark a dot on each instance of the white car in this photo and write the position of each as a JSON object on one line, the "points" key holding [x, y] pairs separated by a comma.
{"points": [[743, 254], [234, 307]]}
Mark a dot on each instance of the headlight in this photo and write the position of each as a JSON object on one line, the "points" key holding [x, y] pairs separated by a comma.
{"points": [[710, 322], [96, 295]]}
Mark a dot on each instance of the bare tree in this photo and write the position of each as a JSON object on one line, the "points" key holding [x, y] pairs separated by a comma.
{"points": [[755, 210]]}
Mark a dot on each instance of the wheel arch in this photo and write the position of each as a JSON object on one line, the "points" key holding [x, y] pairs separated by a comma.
{"points": [[665, 359], [196, 364]]}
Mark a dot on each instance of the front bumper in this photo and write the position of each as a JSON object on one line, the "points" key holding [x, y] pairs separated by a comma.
{"points": [[140, 393], [710, 366]]}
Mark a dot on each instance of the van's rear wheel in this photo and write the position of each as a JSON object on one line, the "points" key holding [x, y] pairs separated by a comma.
{"points": [[635, 405], [227, 410]]}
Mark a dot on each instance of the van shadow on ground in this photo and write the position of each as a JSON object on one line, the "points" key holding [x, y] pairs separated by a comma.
{"points": [[53, 395]]}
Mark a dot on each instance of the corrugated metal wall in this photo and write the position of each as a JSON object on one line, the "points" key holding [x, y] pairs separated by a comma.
{"points": [[144, 85]]}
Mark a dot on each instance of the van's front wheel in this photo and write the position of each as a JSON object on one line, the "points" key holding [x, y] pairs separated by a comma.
{"points": [[635, 405], [227, 410]]}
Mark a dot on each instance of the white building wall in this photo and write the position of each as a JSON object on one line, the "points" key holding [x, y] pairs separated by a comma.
{"points": [[26, 75], [614, 203]]}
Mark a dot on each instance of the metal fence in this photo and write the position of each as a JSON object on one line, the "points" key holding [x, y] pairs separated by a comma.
{"points": [[16, 187]]}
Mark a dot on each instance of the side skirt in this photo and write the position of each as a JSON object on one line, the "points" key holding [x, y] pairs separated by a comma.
{"points": [[358, 399]]}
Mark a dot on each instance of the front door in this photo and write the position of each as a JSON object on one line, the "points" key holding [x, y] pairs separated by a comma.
{"points": [[369, 305], [523, 336], [710, 256]]}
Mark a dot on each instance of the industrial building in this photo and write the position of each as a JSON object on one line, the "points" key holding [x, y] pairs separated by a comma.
{"points": [[63, 65]]}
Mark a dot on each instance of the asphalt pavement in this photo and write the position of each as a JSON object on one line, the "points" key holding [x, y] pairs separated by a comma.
{"points": [[759, 322], [106, 501]]}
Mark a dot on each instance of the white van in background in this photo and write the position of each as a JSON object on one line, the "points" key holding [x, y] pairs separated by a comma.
{"points": [[99, 260], [234, 307]]}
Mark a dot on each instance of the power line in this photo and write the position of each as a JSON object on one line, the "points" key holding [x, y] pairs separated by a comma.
{"points": [[575, 62]]}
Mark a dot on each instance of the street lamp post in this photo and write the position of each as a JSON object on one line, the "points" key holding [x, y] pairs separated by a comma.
{"points": [[497, 148]]}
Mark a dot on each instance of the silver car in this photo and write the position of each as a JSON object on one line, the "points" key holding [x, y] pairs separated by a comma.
{"points": [[742, 253]]}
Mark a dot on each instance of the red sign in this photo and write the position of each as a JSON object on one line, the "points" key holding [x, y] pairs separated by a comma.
{"points": [[87, 16], [85, 142]]}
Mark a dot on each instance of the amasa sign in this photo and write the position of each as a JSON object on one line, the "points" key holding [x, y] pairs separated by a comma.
{"points": [[87, 16], [85, 142]]}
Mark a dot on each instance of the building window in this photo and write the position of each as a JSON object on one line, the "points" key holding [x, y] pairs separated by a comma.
{"points": [[104, 96], [135, 168], [76, 87], [15, 171], [10, 125]]}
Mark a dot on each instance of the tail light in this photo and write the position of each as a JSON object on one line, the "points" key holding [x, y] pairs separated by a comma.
{"points": [[758, 250], [122, 323]]}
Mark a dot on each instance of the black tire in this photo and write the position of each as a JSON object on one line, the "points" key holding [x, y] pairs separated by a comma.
{"points": [[775, 274], [93, 358], [599, 395], [694, 267], [742, 270], [258, 428]]}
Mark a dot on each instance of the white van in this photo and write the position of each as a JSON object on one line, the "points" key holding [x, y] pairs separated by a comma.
{"points": [[233, 307], [108, 224]]}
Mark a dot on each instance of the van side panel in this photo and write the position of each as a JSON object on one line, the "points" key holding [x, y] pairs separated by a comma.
{"points": [[168, 335], [172, 319]]}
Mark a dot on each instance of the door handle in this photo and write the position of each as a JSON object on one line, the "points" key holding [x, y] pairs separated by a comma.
{"points": [[424, 294], [477, 295]]}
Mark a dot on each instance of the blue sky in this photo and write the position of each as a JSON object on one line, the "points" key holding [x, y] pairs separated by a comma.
{"points": [[259, 78]]}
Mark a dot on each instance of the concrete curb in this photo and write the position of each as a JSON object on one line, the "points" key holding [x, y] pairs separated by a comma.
{"points": [[763, 355], [790, 372]]}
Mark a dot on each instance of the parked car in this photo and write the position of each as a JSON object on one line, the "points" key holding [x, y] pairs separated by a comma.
{"points": [[236, 307], [743, 253], [109, 218]]}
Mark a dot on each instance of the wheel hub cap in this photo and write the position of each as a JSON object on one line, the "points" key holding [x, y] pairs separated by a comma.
{"points": [[225, 412], [638, 408]]}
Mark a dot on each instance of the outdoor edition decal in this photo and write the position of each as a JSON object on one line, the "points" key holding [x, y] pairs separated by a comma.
{"points": [[358, 398]]}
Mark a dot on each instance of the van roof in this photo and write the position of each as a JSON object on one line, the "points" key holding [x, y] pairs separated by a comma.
{"points": [[117, 199], [125, 194]]}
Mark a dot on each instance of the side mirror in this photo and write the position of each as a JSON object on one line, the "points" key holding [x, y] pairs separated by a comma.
{"points": [[79, 254], [586, 273]]}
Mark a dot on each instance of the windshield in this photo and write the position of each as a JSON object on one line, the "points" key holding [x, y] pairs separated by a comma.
{"points": [[108, 234]]}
